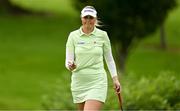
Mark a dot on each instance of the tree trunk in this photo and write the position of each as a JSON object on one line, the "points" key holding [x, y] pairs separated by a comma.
{"points": [[121, 57], [163, 44]]}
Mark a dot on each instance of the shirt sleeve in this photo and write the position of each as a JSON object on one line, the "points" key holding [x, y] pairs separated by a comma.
{"points": [[108, 56], [69, 51]]}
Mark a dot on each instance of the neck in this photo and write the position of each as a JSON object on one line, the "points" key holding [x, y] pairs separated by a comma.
{"points": [[87, 30]]}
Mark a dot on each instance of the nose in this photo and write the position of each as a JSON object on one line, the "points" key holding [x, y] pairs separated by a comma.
{"points": [[88, 20]]}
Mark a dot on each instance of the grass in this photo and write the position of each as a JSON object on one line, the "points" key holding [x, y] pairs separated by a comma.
{"points": [[32, 58], [60, 7]]}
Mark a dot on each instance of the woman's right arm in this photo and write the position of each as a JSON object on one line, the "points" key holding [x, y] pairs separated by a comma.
{"points": [[69, 62]]}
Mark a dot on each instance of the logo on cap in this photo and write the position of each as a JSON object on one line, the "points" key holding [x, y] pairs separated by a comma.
{"points": [[89, 10]]}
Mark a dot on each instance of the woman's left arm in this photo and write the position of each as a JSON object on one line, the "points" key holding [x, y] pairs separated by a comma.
{"points": [[112, 69], [110, 63]]}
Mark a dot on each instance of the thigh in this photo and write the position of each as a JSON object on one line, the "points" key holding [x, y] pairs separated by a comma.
{"points": [[94, 105], [80, 106]]}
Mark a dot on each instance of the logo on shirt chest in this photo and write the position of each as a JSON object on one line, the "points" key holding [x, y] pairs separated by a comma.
{"points": [[81, 42]]}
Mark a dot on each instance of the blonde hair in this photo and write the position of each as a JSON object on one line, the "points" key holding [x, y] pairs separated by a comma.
{"points": [[98, 23]]}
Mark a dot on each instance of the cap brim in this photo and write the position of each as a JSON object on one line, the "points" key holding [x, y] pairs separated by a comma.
{"points": [[88, 13]]}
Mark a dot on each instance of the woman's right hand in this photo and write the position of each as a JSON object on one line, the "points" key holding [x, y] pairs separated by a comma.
{"points": [[71, 66]]}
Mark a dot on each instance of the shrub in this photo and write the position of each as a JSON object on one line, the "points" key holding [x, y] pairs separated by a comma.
{"points": [[161, 92]]}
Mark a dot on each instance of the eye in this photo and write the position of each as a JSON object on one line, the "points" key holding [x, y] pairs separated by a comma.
{"points": [[88, 17]]}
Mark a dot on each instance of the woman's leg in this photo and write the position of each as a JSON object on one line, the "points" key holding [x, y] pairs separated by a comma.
{"points": [[80, 106], [93, 105]]}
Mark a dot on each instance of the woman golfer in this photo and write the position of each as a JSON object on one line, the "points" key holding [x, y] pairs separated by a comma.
{"points": [[85, 50]]}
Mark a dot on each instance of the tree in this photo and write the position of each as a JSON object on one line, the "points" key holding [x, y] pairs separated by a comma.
{"points": [[129, 21], [9, 8]]}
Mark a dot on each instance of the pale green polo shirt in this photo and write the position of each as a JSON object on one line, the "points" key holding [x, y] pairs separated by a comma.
{"points": [[88, 52]]}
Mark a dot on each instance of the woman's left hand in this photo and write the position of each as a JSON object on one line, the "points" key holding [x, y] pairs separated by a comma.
{"points": [[117, 85]]}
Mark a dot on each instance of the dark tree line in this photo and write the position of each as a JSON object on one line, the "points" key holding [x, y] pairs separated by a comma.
{"points": [[7, 7]]}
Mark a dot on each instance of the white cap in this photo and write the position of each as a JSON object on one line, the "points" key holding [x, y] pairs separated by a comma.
{"points": [[89, 10]]}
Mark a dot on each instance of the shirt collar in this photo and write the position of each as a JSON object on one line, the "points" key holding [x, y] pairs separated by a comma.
{"points": [[82, 33]]}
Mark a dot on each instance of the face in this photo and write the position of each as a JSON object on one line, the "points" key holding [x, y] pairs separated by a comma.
{"points": [[88, 21]]}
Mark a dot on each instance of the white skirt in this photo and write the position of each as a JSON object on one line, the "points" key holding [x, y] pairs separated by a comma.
{"points": [[98, 94], [89, 87]]}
